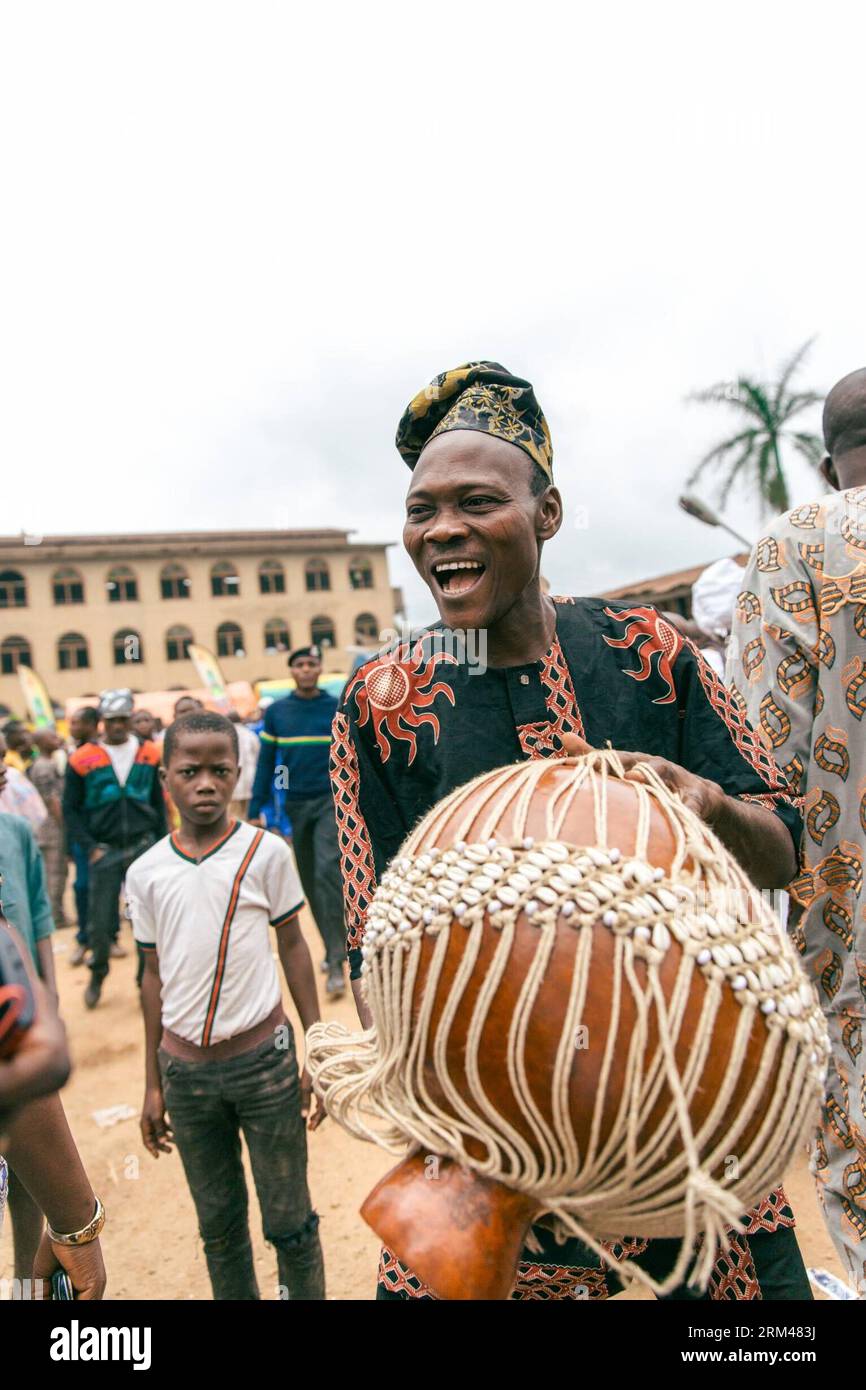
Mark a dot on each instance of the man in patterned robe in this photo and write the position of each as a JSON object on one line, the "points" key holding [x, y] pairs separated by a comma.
{"points": [[798, 663], [530, 677]]}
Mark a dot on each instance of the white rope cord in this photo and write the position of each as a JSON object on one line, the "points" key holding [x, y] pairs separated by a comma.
{"points": [[518, 1153], [627, 1178]]}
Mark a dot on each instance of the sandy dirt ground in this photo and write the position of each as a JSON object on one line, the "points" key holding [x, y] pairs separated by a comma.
{"points": [[151, 1243]]}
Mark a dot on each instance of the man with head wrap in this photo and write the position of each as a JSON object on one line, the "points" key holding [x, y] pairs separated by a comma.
{"points": [[798, 661], [545, 675]]}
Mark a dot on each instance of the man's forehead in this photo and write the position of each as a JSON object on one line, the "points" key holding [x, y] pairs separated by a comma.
{"points": [[462, 458]]}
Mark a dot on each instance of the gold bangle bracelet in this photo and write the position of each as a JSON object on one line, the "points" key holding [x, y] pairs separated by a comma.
{"points": [[86, 1234]]}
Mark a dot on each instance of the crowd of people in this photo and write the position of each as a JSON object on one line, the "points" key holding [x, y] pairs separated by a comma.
{"points": [[118, 797], [767, 751]]}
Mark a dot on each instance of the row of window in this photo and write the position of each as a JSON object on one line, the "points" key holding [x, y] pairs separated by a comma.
{"points": [[73, 653], [121, 582]]}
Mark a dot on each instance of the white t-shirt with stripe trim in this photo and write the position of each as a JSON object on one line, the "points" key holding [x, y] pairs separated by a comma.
{"points": [[209, 920]]}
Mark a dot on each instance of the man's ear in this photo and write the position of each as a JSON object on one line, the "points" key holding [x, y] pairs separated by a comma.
{"points": [[827, 469], [163, 773], [549, 514]]}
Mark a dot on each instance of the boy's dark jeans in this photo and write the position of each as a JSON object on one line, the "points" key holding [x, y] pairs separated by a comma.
{"points": [[105, 881], [209, 1103]]}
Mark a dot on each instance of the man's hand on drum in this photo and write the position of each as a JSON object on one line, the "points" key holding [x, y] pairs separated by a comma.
{"points": [[702, 796], [754, 834]]}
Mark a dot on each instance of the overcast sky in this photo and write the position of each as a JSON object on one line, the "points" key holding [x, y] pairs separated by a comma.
{"points": [[238, 238]]}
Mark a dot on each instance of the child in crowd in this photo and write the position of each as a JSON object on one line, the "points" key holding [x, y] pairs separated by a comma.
{"points": [[220, 1055]]}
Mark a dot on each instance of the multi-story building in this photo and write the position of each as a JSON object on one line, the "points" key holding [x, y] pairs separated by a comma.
{"points": [[91, 612]]}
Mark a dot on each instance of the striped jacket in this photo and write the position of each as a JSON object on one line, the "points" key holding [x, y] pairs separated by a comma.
{"points": [[99, 811], [296, 740]]}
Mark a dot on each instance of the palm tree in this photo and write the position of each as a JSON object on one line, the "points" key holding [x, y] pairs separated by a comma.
{"points": [[754, 455]]}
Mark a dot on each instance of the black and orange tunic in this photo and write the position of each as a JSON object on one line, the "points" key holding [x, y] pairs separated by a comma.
{"points": [[423, 719]]}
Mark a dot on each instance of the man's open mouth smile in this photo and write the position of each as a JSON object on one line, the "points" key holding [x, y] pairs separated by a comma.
{"points": [[457, 577]]}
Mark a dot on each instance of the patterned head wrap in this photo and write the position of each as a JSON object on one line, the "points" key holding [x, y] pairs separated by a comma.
{"points": [[477, 396]]}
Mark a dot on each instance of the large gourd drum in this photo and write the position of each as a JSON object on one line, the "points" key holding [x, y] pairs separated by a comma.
{"points": [[583, 1011]]}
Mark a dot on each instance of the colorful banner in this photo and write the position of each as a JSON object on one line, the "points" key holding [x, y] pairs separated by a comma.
{"points": [[39, 708], [210, 675]]}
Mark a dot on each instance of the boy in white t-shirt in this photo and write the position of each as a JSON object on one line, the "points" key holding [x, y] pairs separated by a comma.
{"points": [[220, 1055]]}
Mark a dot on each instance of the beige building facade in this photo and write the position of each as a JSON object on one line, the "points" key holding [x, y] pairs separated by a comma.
{"points": [[92, 612]]}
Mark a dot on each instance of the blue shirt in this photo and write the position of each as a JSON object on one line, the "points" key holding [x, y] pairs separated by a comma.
{"points": [[23, 892], [296, 740]]}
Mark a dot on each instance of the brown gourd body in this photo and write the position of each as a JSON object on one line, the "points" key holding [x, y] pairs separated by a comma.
{"points": [[462, 1232]]}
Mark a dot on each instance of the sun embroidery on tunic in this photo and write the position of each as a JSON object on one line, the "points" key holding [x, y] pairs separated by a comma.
{"points": [[651, 637], [396, 694]]}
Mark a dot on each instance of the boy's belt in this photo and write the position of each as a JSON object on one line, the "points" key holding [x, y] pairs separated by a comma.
{"points": [[223, 1051]]}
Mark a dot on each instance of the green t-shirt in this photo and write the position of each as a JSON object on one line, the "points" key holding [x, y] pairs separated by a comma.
{"points": [[22, 892]]}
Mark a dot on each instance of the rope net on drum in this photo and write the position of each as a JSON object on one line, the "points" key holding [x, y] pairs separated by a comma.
{"points": [[629, 1177]]}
